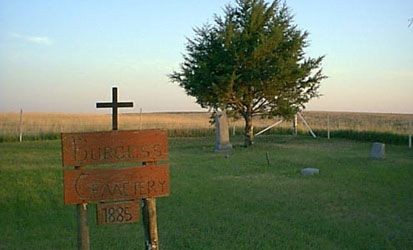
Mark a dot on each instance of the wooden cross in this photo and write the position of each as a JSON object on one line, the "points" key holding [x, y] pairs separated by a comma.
{"points": [[114, 105]]}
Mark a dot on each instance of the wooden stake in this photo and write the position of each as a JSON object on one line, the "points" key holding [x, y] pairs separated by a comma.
{"points": [[410, 133], [233, 129], [140, 121], [328, 127], [268, 128], [268, 158], [149, 217], [306, 124], [83, 242], [21, 126]]}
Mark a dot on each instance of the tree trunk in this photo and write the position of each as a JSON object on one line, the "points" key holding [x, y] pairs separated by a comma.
{"points": [[249, 131]]}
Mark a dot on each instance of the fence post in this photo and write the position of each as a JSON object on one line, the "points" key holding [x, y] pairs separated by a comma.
{"points": [[410, 133], [328, 127], [20, 126], [140, 120]]}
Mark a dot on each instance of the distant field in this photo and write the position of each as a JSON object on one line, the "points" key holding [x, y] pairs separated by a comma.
{"points": [[220, 201], [50, 125]]}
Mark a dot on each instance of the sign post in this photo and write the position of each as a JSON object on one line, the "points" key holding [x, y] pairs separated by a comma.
{"points": [[150, 222], [83, 241], [116, 190]]}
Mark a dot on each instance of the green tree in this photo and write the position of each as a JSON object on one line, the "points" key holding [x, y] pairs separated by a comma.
{"points": [[251, 62]]}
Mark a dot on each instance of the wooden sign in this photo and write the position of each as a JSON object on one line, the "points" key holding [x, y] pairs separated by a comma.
{"points": [[118, 212], [80, 149], [98, 185]]}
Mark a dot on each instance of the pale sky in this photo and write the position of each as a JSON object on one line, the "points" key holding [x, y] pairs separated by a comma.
{"points": [[64, 56]]}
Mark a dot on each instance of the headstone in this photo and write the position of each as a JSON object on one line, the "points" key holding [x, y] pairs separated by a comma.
{"points": [[222, 133], [377, 151], [309, 171]]}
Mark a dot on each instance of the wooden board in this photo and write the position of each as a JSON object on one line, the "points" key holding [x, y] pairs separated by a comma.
{"points": [[117, 212], [80, 149], [97, 185]]}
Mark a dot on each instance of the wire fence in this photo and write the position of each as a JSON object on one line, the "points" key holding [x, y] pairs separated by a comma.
{"points": [[50, 125]]}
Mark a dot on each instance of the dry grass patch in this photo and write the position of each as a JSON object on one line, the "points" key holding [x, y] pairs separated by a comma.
{"points": [[35, 123]]}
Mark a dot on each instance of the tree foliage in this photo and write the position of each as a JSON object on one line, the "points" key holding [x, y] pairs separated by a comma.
{"points": [[250, 62]]}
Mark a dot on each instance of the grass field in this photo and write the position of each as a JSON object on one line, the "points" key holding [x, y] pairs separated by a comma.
{"points": [[227, 202], [364, 126]]}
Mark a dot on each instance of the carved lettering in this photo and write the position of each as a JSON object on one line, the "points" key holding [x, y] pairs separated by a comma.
{"points": [[80, 149], [139, 186], [117, 213], [94, 154], [131, 151], [95, 190], [92, 185], [151, 187], [162, 183], [120, 153], [98, 190], [125, 188], [78, 185], [108, 153], [117, 153]]}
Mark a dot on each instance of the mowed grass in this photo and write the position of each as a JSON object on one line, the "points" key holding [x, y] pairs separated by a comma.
{"points": [[227, 201]]}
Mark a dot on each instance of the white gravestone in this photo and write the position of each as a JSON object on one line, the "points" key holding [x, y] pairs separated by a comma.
{"points": [[309, 171], [377, 151], [222, 133]]}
